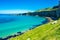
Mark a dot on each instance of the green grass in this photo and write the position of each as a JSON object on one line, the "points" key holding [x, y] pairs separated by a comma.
{"points": [[47, 31], [47, 9]]}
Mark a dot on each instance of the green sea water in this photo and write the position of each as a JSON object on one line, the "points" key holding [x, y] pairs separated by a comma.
{"points": [[10, 25]]}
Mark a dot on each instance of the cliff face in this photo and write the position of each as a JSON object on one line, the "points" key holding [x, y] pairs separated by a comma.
{"points": [[47, 12], [51, 13]]}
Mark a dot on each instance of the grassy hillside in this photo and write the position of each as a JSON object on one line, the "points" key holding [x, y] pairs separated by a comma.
{"points": [[47, 31], [47, 9]]}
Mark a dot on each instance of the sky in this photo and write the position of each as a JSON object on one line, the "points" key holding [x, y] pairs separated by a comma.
{"points": [[21, 6]]}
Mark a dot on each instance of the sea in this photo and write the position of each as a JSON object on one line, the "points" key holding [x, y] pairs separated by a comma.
{"points": [[11, 24]]}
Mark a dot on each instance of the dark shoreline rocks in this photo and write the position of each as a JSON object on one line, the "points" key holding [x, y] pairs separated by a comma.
{"points": [[18, 33]]}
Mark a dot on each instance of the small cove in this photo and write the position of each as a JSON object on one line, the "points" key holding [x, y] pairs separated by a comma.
{"points": [[10, 25]]}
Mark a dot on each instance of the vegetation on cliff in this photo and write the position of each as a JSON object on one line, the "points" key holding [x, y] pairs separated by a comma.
{"points": [[46, 9]]}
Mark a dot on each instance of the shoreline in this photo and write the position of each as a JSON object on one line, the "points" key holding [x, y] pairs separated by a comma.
{"points": [[20, 33]]}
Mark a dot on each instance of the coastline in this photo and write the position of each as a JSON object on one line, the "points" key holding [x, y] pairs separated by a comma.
{"points": [[34, 26], [20, 33], [49, 19]]}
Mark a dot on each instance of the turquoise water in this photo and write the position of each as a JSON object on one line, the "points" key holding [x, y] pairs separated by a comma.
{"points": [[10, 25]]}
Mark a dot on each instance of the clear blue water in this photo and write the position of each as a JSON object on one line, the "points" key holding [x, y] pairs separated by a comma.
{"points": [[10, 25]]}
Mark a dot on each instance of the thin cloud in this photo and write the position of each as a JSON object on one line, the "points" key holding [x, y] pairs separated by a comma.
{"points": [[14, 11]]}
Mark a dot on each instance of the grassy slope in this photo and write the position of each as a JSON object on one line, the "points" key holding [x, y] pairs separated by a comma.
{"points": [[47, 9], [45, 32]]}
